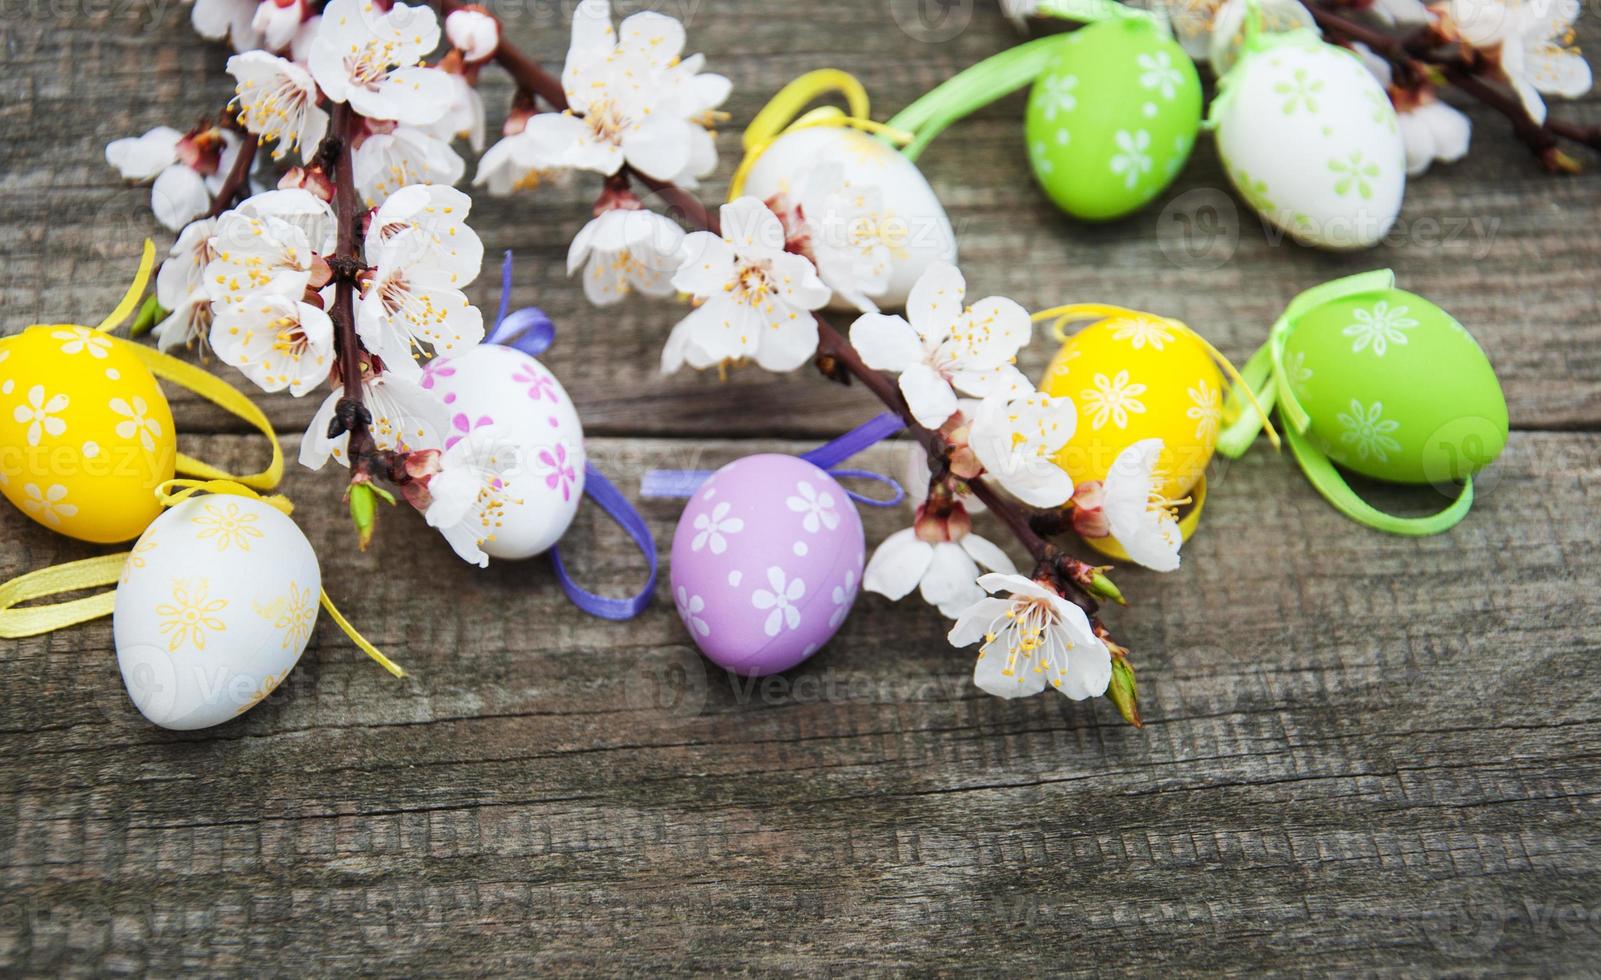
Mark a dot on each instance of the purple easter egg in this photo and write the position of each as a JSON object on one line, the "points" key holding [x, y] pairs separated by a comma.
{"points": [[767, 560]]}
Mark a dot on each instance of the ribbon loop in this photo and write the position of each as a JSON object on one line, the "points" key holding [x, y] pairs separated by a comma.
{"points": [[966, 92], [782, 114], [72, 576], [528, 329], [611, 500], [1320, 471], [1239, 387]]}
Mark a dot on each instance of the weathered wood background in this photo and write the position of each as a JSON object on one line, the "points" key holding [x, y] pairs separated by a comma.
{"points": [[1363, 753]]}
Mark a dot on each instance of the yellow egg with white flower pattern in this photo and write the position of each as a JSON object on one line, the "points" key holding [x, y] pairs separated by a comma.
{"points": [[1133, 377], [85, 433]]}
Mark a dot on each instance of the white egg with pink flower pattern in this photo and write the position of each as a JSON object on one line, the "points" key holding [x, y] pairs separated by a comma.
{"points": [[504, 387], [766, 563]]}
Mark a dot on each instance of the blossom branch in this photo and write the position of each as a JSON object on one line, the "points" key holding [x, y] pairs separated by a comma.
{"points": [[237, 178], [1414, 54]]}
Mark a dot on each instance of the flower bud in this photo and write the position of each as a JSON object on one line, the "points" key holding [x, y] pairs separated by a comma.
{"points": [[1089, 519], [312, 178], [940, 521], [473, 32]]}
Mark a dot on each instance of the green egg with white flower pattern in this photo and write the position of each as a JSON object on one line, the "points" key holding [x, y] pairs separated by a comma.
{"points": [[1113, 118], [1395, 388]]}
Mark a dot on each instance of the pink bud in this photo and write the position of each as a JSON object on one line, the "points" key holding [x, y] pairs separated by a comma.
{"points": [[312, 178], [1089, 519], [938, 522]]}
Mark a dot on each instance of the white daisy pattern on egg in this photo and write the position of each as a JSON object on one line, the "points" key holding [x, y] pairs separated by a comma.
{"points": [[689, 609], [1132, 161], [781, 599], [1378, 328], [817, 506], [1368, 432], [1206, 409], [135, 422], [41, 414], [844, 595], [48, 506], [711, 528], [82, 340], [1158, 73], [1142, 330], [1113, 400], [1059, 94]]}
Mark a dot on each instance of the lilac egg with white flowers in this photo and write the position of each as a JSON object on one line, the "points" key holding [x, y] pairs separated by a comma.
{"points": [[493, 385], [766, 563]]}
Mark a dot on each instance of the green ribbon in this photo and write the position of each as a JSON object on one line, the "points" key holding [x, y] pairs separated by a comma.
{"points": [[1268, 380]]}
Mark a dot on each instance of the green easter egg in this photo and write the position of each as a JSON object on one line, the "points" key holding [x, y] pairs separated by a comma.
{"points": [[1395, 388], [1112, 120]]}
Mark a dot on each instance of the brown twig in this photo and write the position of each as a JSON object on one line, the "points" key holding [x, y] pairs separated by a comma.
{"points": [[238, 174], [1418, 50], [351, 415]]}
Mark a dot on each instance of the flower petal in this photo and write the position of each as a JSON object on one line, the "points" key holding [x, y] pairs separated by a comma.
{"points": [[928, 395], [886, 342]]}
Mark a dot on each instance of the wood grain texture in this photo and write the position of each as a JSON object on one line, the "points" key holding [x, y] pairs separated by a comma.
{"points": [[1363, 753]]}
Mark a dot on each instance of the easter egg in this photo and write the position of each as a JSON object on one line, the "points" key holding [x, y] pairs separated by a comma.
{"points": [[1135, 377], [1311, 142], [215, 606], [766, 563], [1112, 120], [868, 211], [501, 386], [1395, 388], [85, 433]]}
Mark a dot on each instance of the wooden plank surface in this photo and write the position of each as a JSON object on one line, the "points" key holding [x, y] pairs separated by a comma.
{"points": [[1363, 753]]}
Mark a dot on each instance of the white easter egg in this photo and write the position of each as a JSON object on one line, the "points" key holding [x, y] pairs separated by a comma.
{"points": [[868, 211], [501, 386], [1311, 142], [215, 606]]}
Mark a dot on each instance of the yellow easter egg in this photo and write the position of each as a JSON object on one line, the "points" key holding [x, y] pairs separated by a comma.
{"points": [[1135, 377], [85, 433]]}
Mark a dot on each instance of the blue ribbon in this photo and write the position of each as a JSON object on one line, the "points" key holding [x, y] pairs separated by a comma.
{"points": [[532, 332], [828, 456]]}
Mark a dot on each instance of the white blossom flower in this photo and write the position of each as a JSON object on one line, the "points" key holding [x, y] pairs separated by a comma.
{"points": [[512, 164], [848, 233], [368, 57], [413, 305], [943, 572], [464, 117], [276, 341], [384, 162], [755, 298], [263, 247], [299, 207], [187, 324], [1226, 28], [630, 100], [405, 417], [468, 496], [1017, 440], [1139, 518], [277, 100], [232, 19], [474, 33], [1430, 129], [623, 250], [180, 287], [187, 170], [430, 219], [1033, 638], [1533, 40], [277, 22], [946, 347]]}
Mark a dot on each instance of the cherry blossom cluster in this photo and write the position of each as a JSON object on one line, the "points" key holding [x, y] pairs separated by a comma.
{"points": [[258, 283], [351, 269]]}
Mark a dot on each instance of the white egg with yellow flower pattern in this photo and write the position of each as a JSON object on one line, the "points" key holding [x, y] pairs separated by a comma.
{"points": [[1135, 377], [85, 432], [217, 601]]}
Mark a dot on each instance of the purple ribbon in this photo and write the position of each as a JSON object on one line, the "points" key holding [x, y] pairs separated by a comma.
{"points": [[828, 456], [528, 329], [532, 332]]}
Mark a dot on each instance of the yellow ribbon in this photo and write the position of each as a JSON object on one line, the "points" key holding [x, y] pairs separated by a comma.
{"points": [[782, 114], [1063, 315], [201, 382], [92, 573]]}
